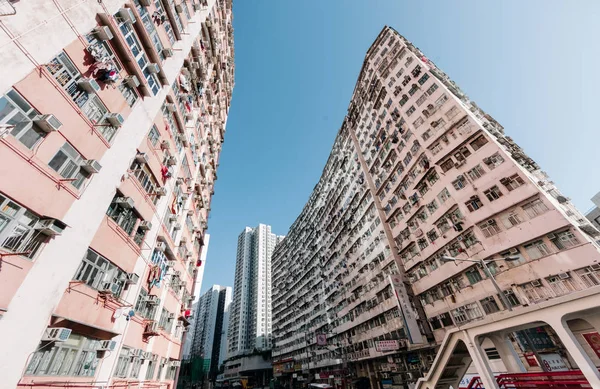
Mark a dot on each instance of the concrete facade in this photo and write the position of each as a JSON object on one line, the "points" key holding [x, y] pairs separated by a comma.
{"points": [[105, 203], [418, 172]]}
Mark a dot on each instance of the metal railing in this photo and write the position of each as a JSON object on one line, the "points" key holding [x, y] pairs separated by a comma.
{"points": [[560, 379]]}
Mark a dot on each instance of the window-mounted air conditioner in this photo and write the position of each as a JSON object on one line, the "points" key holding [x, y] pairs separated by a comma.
{"points": [[595, 267], [170, 107], [161, 246], [89, 85], [50, 226], [107, 345], [132, 278], [125, 202], [115, 119], [110, 287], [175, 363], [167, 52], [161, 191], [127, 15], [146, 355], [91, 166], [103, 33], [141, 158], [136, 352], [145, 225], [132, 81], [171, 264], [179, 181], [171, 161], [171, 316], [151, 299], [153, 68], [564, 276], [536, 283], [151, 327], [179, 8], [177, 226], [56, 334], [47, 123]]}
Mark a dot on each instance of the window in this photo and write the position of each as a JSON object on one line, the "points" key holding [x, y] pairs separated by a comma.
{"points": [[95, 271], [452, 112], [432, 88], [443, 195], [403, 100], [513, 182], [479, 142], [473, 276], [125, 217], [535, 291], [142, 308], [432, 206], [562, 284], [129, 94], [489, 306], [411, 110], [421, 99], [462, 154], [535, 208], [171, 372], [149, 26], [426, 135], [75, 357], [589, 276], [423, 79], [123, 363], [474, 203], [443, 225], [514, 253], [139, 55], [476, 172], [493, 193], [417, 123], [17, 229], [537, 249], [511, 219], [493, 161], [146, 179], [150, 370], [447, 165], [459, 183], [489, 228], [512, 298], [564, 240], [135, 367], [67, 162], [15, 111]]}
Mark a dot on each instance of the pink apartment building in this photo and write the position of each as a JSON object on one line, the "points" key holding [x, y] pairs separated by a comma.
{"points": [[420, 186], [112, 116]]}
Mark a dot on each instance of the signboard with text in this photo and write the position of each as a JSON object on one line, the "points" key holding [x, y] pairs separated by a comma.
{"points": [[409, 316], [593, 339], [387, 345]]}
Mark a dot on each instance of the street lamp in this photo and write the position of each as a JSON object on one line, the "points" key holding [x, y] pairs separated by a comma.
{"points": [[483, 263]]}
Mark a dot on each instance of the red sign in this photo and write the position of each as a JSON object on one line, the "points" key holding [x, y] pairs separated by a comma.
{"points": [[593, 339], [531, 359]]}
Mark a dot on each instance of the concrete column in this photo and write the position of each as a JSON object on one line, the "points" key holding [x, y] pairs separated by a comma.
{"points": [[577, 352], [508, 354], [480, 361]]}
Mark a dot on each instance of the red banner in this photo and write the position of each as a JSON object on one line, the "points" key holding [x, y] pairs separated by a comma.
{"points": [[593, 339]]}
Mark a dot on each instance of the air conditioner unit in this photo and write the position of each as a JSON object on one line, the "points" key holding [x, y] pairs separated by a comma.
{"points": [[162, 191], [153, 68], [137, 352], [173, 218], [161, 246], [185, 196], [141, 158], [536, 283], [145, 225], [551, 236], [132, 81], [179, 181], [127, 15], [175, 363], [171, 264], [188, 116], [170, 107], [177, 274], [132, 278], [107, 345], [564, 276], [171, 161], [89, 85], [171, 316], [91, 166], [146, 355], [110, 287], [47, 123], [50, 226], [179, 8], [177, 226], [195, 64], [167, 52], [56, 334], [115, 119], [154, 357], [595, 266], [151, 300], [151, 327], [103, 33], [125, 202]]}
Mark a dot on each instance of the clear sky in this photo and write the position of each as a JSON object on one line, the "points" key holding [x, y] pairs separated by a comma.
{"points": [[533, 65]]}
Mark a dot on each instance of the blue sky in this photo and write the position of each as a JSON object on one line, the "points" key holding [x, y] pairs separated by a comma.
{"points": [[532, 65]]}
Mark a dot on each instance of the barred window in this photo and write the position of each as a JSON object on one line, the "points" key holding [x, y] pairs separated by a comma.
{"points": [[95, 271], [17, 229], [16, 111]]}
